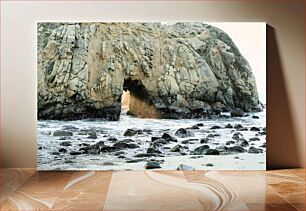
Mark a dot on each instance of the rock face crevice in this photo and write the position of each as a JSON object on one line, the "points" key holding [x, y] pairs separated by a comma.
{"points": [[182, 70]]}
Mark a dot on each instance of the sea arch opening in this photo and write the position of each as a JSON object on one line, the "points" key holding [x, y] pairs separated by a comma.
{"points": [[136, 101]]}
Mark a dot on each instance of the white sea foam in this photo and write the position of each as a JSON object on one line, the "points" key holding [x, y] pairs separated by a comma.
{"points": [[49, 143]]}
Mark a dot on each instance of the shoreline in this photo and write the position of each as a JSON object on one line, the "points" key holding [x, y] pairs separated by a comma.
{"points": [[246, 161], [133, 142]]}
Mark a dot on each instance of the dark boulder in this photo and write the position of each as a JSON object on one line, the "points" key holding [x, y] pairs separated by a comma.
{"points": [[238, 126], [100, 143], [135, 160], [123, 145], [212, 135], [201, 150], [261, 133], [119, 153], [66, 144], [228, 126], [153, 150], [82, 132], [133, 146], [93, 149], [153, 138], [242, 142], [62, 150], [112, 139], [128, 140], [148, 131], [69, 127], [242, 129], [212, 152], [230, 142], [131, 132], [108, 149], [254, 139], [159, 142], [235, 149], [204, 140], [120, 145], [168, 138], [222, 149], [92, 135], [75, 153], [62, 133], [215, 127], [183, 133], [195, 127], [237, 112], [255, 150], [190, 141], [141, 155], [177, 148], [152, 165], [237, 136], [256, 129]]}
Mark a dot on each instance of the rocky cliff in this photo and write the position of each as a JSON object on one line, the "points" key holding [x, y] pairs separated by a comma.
{"points": [[181, 70]]}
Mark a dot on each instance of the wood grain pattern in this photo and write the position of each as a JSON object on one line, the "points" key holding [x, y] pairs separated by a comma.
{"points": [[85, 191], [27, 189], [150, 190], [11, 179]]}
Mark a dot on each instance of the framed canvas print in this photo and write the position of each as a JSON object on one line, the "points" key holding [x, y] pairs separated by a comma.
{"points": [[137, 96]]}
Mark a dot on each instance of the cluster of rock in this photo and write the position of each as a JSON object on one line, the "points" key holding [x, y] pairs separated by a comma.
{"points": [[178, 70], [161, 146]]}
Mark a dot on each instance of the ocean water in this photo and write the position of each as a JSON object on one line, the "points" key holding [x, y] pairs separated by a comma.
{"points": [[47, 144]]}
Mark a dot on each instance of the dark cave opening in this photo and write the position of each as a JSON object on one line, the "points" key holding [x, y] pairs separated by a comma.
{"points": [[136, 100], [135, 87]]}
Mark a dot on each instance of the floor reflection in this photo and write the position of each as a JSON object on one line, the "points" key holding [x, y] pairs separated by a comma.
{"points": [[27, 189]]}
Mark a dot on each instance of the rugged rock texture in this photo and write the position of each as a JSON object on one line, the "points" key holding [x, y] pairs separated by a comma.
{"points": [[172, 71]]}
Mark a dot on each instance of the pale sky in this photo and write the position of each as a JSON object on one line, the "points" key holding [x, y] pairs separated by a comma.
{"points": [[250, 38]]}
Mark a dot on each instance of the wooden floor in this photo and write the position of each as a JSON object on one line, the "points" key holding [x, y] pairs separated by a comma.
{"points": [[27, 189]]}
